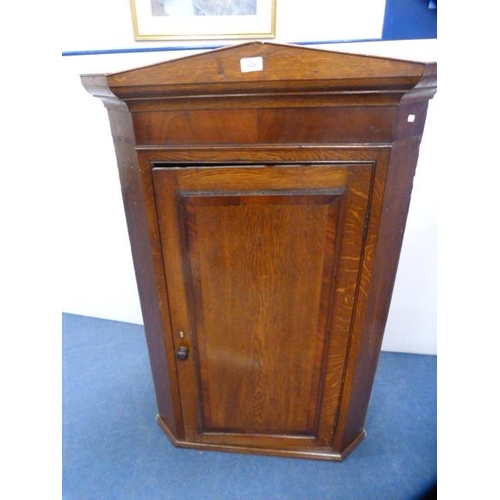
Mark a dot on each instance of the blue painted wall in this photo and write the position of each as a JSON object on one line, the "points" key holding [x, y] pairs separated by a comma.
{"points": [[410, 19]]}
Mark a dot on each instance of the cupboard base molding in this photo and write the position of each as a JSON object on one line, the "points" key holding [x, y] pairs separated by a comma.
{"points": [[310, 454]]}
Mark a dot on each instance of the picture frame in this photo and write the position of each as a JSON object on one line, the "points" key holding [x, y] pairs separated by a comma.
{"points": [[203, 19]]}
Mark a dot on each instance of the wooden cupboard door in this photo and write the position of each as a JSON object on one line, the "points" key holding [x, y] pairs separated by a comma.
{"points": [[261, 267]]}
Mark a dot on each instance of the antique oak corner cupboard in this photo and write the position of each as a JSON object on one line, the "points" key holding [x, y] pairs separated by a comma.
{"points": [[266, 189]]}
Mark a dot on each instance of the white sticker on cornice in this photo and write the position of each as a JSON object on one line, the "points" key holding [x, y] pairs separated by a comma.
{"points": [[249, 64]]}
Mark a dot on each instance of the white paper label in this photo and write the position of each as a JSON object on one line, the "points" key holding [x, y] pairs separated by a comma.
{"points": [[249, 64]]}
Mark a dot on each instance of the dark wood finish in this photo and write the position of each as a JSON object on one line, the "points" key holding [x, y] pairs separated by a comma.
{"points": [[266, 213]]}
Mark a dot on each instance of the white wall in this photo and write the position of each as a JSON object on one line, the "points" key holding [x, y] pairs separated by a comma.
{"points": [[97, 273], [95, 24]]}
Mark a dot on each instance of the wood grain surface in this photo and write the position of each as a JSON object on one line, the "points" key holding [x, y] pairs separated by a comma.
{"points": [[266, 212]]}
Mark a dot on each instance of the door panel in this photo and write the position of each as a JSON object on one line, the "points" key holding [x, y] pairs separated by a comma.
{"points": [[247, 252], [261, 271]]}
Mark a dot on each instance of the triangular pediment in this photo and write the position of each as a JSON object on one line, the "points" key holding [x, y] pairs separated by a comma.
{"points": [[258, 68], [274, 62]]}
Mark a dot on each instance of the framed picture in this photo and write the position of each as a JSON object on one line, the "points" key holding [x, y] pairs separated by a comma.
{"points": [[203, 19]]}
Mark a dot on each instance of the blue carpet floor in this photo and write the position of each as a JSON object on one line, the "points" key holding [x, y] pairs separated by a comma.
{"points": [[113, 448]]}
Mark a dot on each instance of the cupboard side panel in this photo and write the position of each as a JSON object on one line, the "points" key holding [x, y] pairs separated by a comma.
{"points": [[139, 209], [384, 241]]}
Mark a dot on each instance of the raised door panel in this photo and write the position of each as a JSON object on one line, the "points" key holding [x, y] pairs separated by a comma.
{"points": [[262, 265]]}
